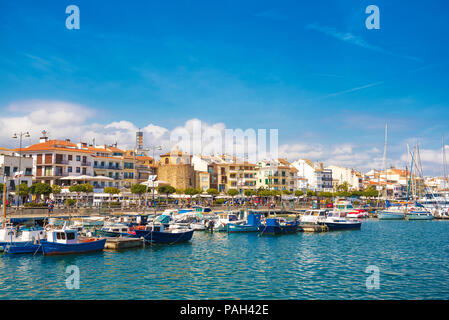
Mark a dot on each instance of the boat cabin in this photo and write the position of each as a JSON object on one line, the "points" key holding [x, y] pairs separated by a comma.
{"points": [[313, 216], [33, 234], [67, 236], [118, 228]]}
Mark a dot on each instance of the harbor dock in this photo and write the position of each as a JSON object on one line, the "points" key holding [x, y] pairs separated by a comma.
{"points": [[121, 243]]}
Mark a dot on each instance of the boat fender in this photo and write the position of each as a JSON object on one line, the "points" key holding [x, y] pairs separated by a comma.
{"points": [[48, 227]]}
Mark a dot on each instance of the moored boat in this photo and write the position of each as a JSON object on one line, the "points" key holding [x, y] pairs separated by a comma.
{"points": [[278, 226], [160, 233], [66, 241], [252, 224], [336, 220]]}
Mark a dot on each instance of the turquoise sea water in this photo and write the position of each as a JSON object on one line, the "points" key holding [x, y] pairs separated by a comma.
{"points": [[412, 256]]}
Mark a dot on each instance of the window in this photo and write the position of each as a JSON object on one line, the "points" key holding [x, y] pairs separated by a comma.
{"points": [[15, 169], [78, 170], [78, 158], [69, 169], [58, 235], [70, 157], [7, 171], [70, 236]]}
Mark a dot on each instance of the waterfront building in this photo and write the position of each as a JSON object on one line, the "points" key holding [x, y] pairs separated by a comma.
{"points": [[55, 159], [106, 162], [239, 175], [276, 175], [9, 166], [175, 168], [319, 179], [341, 175]]}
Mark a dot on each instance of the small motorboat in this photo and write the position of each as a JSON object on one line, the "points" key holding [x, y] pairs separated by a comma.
{"points": [[252, 224], [66, 241], [313, 217], [113, 231], [357, 214], [278, 226], [336, 220], [161, 233]]}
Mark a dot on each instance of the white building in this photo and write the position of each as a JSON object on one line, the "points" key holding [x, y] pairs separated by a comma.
{"points": [[10, 165], [341, 175], [318, 178]]}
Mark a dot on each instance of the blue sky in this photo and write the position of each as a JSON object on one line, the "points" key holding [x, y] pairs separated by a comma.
{"points": [[309, 68]]}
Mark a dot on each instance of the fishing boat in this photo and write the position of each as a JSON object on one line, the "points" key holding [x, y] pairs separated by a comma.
{"points": [[278, 226], [21, 237], [66, 241], [29, 241], [336, 220], [252, 224], [112, 231], [161, 233], [224, 219]]}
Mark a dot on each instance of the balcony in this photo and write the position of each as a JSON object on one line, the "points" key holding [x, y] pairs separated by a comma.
{"points": [[61, 162], [86, 164]]}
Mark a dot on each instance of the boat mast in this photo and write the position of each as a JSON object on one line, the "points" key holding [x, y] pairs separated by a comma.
{"points": [[445, 175], [385, 160], [409, 180]]}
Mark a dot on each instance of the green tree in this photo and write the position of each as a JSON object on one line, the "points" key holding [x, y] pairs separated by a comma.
{"points": [[310, 193], [138, 189], [39, 189], [111, 191], [1, 188], [167, 190], [287, 192], [343, 187], [55, 189], [191, 192], [22, 191], [299, 193], [81, 188], [213, 192], [233, 193]]}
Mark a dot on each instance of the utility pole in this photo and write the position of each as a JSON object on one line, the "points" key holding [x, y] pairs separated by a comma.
{"points": [[19, 136], [4, 199], [154, 148]]}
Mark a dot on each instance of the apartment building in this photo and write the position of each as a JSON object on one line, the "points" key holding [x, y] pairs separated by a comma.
{"points": [[319, 179], [106, 162], [55, 159], [341, 175], [276, 175], [12, 164]]}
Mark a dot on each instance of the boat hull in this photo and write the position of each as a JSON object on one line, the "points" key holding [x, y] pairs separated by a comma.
{"points": [[164, 237], [278, 229], [343, 225], [110, 234], [22, 247], [386, 215], [241, 228], [419, 216], [54, 248]]}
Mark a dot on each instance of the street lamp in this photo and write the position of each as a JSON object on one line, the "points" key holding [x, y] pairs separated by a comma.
{"points": [[154, 148], [19, 136]]}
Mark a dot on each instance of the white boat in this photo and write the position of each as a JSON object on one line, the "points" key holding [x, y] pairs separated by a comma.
{"points": [[392, 213], [313, 217], [336, 220], [10, 234]]}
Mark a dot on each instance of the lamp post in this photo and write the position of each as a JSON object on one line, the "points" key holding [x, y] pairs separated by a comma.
{"points": [[19, 136], [154, 148]]}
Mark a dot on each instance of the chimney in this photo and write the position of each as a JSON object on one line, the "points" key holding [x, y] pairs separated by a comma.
{"points": [[43, 139]]}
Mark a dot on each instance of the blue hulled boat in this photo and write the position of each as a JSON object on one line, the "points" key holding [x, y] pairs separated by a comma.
{"points": [[23, 247], [252, 224], [276, 226], [113, 231], [336, 220], [65, 241], [160, 233]]}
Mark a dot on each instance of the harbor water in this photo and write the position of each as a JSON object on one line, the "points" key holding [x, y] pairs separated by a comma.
{"points": [[412, 258]]}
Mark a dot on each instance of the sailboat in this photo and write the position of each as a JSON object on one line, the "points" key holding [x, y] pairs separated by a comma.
{"points": [[418, 212], [391, 212]]}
